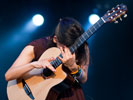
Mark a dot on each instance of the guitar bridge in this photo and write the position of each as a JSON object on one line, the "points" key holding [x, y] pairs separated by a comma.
{"points": [[27, 89]]}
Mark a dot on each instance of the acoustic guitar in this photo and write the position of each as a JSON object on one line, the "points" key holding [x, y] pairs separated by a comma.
{"points": [[35, 85]]}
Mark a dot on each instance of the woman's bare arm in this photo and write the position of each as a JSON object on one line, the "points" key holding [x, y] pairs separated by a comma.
{"points": [[84, 67], [23, 64]]}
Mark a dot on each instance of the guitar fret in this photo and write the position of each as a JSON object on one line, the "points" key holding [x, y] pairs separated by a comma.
{"points": [[83, 37], [80, 40], [98, 23], [101, 21], [91, 31], [97, 26], [59, 62], [87, 35], [78, 44], [94, 27], [73, 48], [56, 63], [52, 63]]}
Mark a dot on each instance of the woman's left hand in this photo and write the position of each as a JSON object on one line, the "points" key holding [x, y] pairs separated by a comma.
{"points": [[69, 60]]}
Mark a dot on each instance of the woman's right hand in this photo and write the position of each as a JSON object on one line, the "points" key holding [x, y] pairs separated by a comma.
{"points": [[44, 63]]}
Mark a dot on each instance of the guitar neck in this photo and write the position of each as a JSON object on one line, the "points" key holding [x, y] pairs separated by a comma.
{"points": [[80, 40], [86, 35], [110, 16]]}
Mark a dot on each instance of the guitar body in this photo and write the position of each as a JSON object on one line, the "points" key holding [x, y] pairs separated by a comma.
{"points": [[38, 85]]}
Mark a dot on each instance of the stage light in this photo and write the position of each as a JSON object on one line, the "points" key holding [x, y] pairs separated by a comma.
{"points": [[93, 18], [38, 20]]}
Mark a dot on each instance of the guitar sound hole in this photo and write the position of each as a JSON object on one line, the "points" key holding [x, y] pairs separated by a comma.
{"points": [[47, 72]]}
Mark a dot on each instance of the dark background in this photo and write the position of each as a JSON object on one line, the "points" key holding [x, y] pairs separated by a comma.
{"points": [[110, 74]]}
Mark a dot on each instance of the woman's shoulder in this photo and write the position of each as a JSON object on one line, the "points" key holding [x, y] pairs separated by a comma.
{"points": [[39, 46], [40, 41]]}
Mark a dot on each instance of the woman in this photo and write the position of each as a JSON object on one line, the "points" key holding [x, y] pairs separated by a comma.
{"points": [[76, 64]]}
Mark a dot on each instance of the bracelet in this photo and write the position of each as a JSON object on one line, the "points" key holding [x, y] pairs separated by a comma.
{"points": [[77, 71], [80, 76], [77, 75]]}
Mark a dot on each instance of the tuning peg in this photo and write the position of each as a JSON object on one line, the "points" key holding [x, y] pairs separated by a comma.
{"points": [[120, 19], [116, 22], [108, 11], [118, 7], [113, 8], [125, 15]]}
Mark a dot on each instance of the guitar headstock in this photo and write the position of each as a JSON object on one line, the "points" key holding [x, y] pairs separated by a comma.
{"points": [[115, 13]]}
